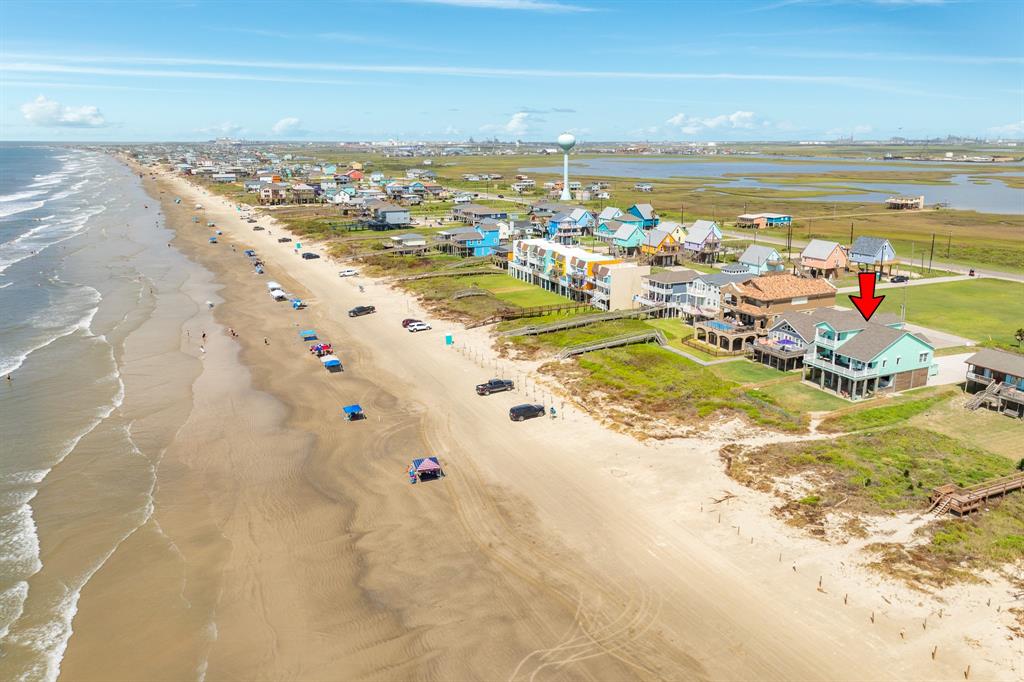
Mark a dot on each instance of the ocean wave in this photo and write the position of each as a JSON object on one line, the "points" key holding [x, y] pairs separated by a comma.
{"points": [[16, 207], [21, 196], [45, 235], [50, 639], [73, 313]]}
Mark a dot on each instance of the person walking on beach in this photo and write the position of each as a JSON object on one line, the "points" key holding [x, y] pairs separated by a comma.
{"points": [[266, 341], [204, 337]]}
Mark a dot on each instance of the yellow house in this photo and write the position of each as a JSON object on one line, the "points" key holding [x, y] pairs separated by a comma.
{"points": [[659, 246]]}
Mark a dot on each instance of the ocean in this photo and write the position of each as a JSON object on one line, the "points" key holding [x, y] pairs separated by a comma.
{"points": [[89, 291]]}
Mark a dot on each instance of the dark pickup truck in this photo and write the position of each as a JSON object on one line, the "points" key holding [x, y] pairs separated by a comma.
{"points": [[283, 240], [361, 310], [522, 412], [494, 386]]}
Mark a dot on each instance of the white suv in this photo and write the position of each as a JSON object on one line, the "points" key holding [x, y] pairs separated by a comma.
{"points": [[347, 273], [418, 327]]}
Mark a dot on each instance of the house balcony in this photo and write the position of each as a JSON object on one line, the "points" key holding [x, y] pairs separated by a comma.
{"points": [[780, 350], [826, 342], [813, 360]]}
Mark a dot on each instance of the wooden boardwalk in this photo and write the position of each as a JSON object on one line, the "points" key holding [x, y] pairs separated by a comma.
{"points": [[582, 321], [624, 340], [960, 501]]}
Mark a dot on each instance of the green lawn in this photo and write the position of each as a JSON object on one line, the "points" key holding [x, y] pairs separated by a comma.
{"points": [[746, 372], [803, 398], [987, 310], [517, 293], [675, 330]]}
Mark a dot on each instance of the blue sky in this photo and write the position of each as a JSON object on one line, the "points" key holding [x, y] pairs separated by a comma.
{"points": [[511, 69]]}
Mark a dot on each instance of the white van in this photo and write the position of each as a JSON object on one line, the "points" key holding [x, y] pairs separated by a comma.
{"points": [[273, 285]]}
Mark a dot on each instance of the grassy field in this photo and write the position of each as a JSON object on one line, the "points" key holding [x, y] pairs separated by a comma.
{"points": [[885, 470], [647, 380], [899, 409], [987, 429], [803, 398], [517, 293], [747, 372], [987, 310]]}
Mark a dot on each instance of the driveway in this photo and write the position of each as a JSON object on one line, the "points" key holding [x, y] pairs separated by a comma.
{"points": [[940, 339], [951, 370]]}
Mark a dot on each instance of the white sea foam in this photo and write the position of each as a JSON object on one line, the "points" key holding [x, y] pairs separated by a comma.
{"points": [[21, 196], [46, 234], [16, 207]]}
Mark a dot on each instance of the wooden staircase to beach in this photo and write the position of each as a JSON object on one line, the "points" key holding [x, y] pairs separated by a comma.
{"points": [[960, 501], [582, 321], [624, 340]]}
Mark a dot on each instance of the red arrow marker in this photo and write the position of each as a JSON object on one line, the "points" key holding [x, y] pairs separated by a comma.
{"points": [[867, 303]]}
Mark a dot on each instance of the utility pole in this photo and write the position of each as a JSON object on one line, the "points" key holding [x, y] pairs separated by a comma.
{"points": [[789, 243], [932, 254], [851, 233], [949, 242]]}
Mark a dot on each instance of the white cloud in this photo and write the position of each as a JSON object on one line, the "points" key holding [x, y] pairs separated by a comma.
{"points": [[225, 129], [43, 111], [522, 5], [517, 126], [738, 120], [1009, 130], [289, 126]]}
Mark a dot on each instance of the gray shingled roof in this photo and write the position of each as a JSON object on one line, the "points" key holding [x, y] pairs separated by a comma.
{"points": [[867, 246], [758, 254], [805, 323], [646, 211], [673, 276], [654, 237], [999, 360], [819, 249], [875, 338], [720, 279]]}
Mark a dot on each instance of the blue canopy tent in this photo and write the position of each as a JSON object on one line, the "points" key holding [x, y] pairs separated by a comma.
{"points": [[297, 303], [353, 412], [213, 240], [331, 362], [308, 335], [249, 252]]}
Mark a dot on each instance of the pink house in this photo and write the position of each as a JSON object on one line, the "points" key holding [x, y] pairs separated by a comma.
{"points": [[823, 259]]}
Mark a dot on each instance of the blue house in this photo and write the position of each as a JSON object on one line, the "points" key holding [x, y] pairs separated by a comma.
{"points": [[645, 212], [760, 259], [482, 241], [569, 226], [872, 254]]}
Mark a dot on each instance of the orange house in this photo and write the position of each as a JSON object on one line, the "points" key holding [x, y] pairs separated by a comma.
{"points": [[822, 258]]}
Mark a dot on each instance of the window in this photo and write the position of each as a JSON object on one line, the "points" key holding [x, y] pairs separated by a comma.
{"points": [[799, 301], [898, 360], [884, 362], [923, 357]]}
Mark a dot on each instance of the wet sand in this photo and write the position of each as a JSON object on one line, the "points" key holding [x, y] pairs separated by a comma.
{"points": [[288, 544]]}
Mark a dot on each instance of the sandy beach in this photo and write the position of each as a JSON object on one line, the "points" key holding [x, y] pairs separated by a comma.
{"points": [[287, 543]]}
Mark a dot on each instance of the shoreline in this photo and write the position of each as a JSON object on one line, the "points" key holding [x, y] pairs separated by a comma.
{"points": [[536, 547]]}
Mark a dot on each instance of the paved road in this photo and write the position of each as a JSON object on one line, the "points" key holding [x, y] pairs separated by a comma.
{"points": [[911, 283], [938, 264]]}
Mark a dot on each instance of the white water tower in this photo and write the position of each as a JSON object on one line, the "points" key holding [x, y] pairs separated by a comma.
{"points": [[566, 141]]}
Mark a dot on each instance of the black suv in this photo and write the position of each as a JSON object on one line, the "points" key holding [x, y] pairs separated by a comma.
{"points": [[310, 256], [494, 386], [897, 279], [361, 310], [526, 411], [282, 240]]}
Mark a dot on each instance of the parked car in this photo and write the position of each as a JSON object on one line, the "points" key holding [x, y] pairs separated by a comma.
{"points": [[525, 411], [361, 310], [257, 228], [896, 279], [418, 327], [348, 272], [282, 240], [971, 273], [250, 220], [494, 386], [310, 256], [501, 196], [409, 320]]}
